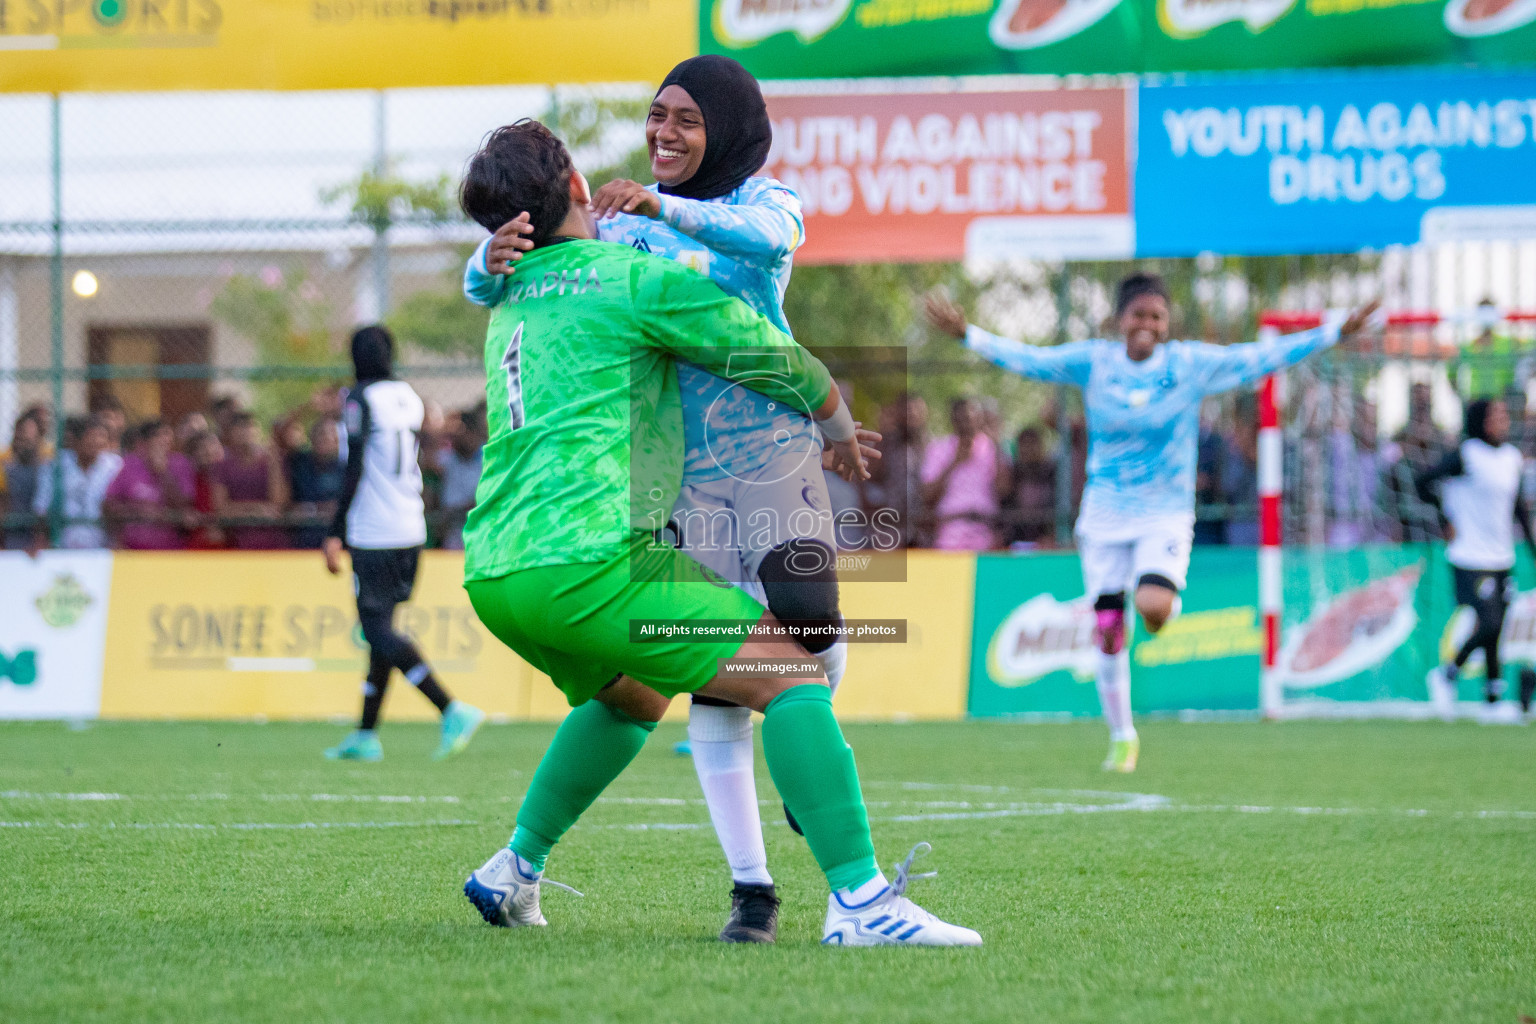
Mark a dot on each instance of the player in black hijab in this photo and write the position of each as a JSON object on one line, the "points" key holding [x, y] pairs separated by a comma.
{"points": [[708, 136]]}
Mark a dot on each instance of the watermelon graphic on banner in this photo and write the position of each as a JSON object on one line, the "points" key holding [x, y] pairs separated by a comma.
{"points": [[1354, 632]]}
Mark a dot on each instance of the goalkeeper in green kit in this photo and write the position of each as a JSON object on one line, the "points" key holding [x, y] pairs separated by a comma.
{"points": [[582, 467]]}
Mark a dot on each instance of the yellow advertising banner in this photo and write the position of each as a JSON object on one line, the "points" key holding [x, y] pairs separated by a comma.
{"points": [[155, 45], [926, 678], [273, 635], [248, 634]]}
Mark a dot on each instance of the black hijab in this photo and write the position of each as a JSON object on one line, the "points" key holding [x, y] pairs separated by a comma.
{"points": [[737, 132], [373, 351], [1476, 420]]}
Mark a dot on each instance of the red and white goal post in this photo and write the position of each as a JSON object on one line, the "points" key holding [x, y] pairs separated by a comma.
{"points": [[1404, 335]]}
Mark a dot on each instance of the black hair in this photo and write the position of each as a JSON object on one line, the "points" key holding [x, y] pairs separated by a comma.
{"points": [[143, 432], [1135, 286], [373, 352], [519, 168], [105, 402], [1475, 419]]}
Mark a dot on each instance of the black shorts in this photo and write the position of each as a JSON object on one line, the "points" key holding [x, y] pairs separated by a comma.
{"points": [[384, 577], [1477, 586]]}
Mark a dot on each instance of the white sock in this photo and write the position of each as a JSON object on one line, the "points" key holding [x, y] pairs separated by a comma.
{"points": [[721, 739], [1114, 682], [834, 662], [864, 893]]}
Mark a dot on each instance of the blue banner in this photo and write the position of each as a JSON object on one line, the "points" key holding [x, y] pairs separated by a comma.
{"points": [[1334, 163]]}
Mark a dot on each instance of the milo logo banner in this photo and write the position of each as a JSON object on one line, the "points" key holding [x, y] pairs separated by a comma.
{"points": [[53, 627], [1361, 629], [855, 38], [1033, 652]]}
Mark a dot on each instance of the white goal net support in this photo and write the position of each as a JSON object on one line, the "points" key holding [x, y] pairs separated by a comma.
{"points": [[1354, 591]]}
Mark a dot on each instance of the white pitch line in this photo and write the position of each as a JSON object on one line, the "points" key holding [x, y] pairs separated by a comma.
{"points": [[354, 798], [239, 826], [906, 811]]}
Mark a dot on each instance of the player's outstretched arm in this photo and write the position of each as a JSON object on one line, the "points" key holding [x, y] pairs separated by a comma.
{"points": [[495, 260], [763, 232], [689, 316], [1060, 364], [1231, 366]]}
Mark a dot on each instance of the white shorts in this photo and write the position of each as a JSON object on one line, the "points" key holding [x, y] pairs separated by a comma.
{"points": [[1118, 564], [730, 525]]}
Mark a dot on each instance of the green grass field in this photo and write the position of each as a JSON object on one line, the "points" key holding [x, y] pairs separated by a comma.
{"points": [[1249, 872]]}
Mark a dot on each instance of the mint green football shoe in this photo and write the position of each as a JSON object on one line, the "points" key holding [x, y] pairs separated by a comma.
{"points": [[460, 723], [360, 745]]}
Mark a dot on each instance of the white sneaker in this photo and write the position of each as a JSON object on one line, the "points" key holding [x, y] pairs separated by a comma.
{"points": [[890, 919], [1442, 692], [504, 895], [1500, 713]]}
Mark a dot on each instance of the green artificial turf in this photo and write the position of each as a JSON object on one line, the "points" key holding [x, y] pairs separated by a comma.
{"points": [[1332, 872]]}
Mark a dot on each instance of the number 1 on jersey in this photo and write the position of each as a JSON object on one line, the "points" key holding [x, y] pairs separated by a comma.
{"points": [[512, 363]]}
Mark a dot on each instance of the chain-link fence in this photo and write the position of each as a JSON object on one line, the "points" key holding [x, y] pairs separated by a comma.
{"points": [[186, 258]]}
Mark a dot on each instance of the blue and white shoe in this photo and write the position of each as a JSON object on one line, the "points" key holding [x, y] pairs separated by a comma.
{"points": [[360, 745], [890, 919], [505, 895], [460, 723]]}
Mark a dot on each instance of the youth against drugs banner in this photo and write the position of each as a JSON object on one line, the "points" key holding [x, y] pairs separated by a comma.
{"points": [[1335, 163]]}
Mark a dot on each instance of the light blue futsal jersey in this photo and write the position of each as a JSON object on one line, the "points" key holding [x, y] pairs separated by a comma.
{"points": [[745, 242], [1144, 418]]}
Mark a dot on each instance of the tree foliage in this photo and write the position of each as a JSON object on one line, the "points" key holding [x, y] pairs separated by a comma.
{"points": [[381, 200], [439, 319], [288, 321]]}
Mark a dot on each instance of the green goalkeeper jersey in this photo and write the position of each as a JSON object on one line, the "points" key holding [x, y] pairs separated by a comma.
{"points": [[585, 427]]}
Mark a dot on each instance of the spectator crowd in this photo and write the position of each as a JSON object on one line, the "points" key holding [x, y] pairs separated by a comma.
{"points": [[219, 478], [214, 479], [974, 487]]}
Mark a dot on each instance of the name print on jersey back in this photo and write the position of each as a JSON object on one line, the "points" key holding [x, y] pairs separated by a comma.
{"points": [[556, 282]]}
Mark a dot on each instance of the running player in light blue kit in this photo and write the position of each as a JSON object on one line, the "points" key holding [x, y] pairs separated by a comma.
{"points": [[752, 468], [1142, 397]]}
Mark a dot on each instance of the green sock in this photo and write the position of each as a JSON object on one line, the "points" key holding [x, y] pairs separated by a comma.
{"points": [[592, 746], [813, 768]]}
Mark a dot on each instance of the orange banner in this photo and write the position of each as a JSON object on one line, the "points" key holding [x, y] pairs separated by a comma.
{"points": [[918, 176]]}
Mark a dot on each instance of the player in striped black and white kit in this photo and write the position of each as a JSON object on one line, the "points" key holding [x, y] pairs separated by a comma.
{"points": [[380, 519], [1480, 502]]}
